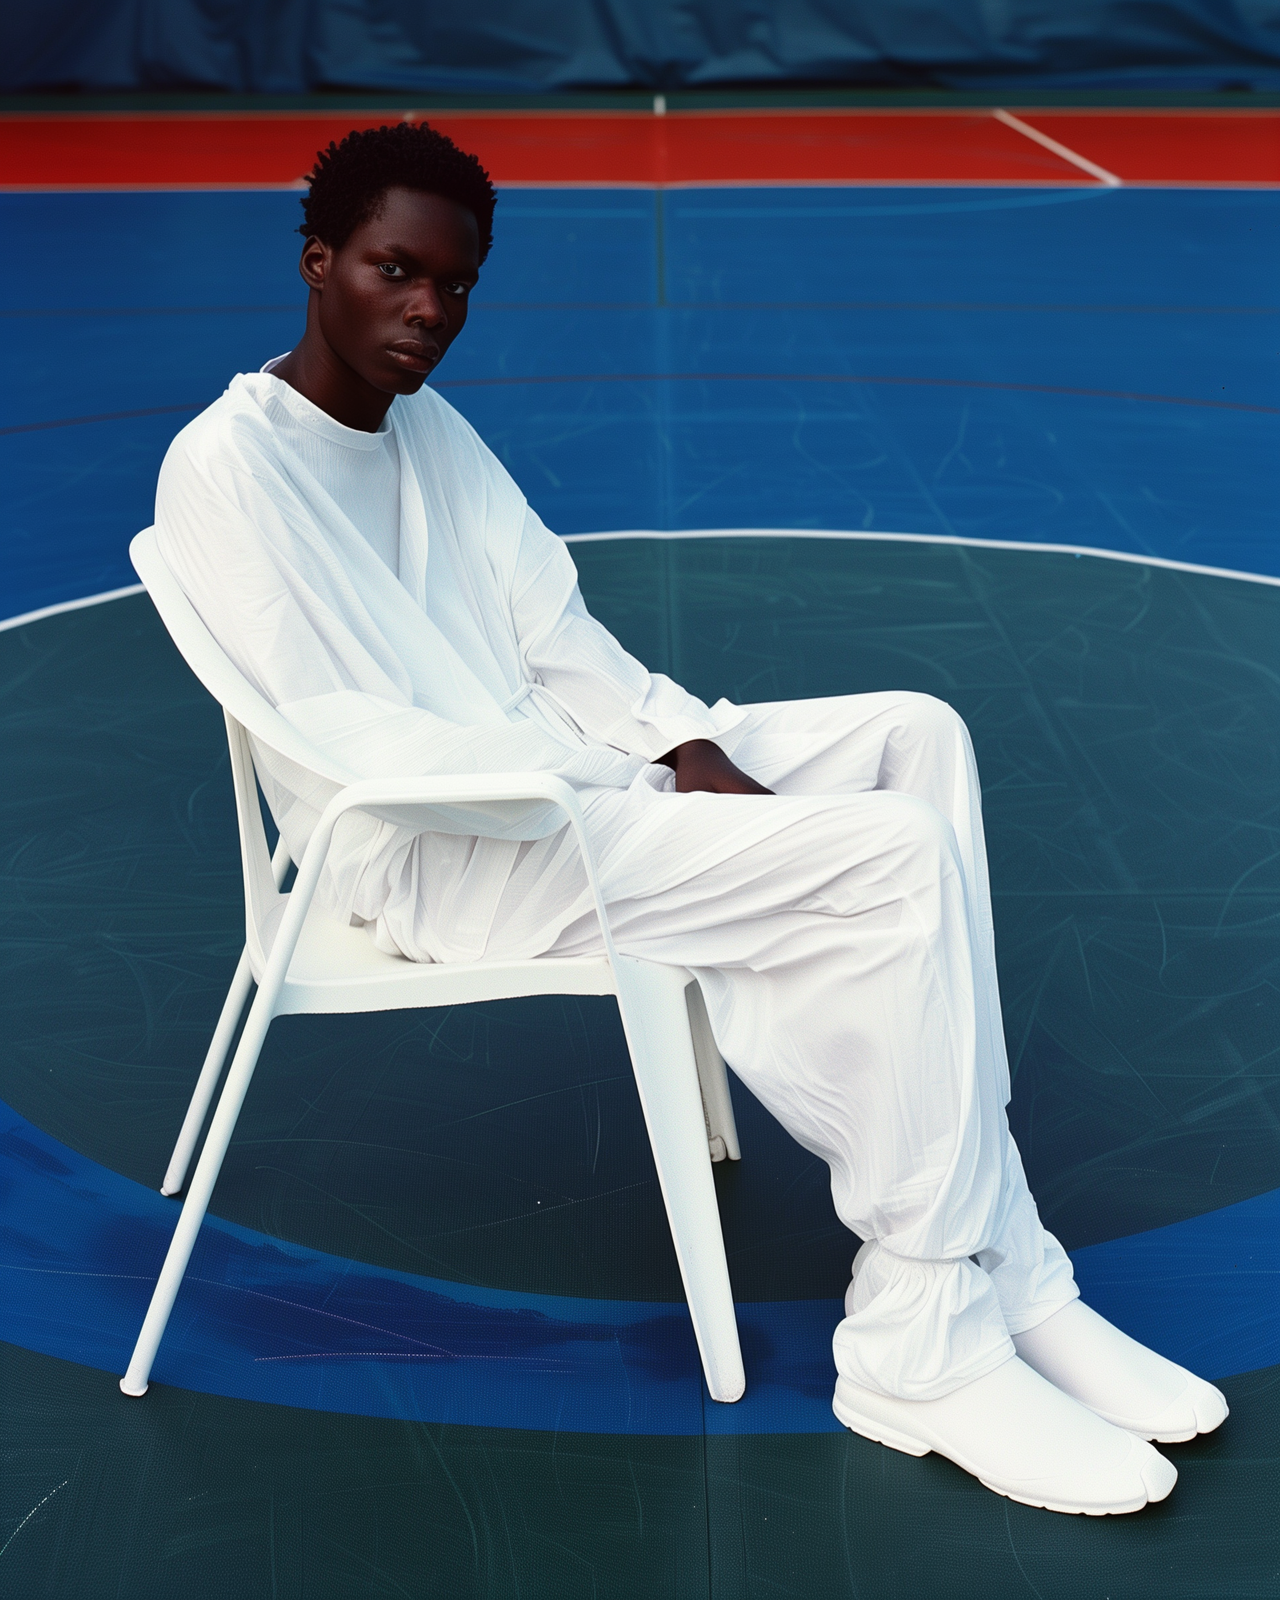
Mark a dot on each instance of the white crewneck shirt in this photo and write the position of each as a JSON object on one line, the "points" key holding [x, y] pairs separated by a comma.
{"points": [[362, 476]]}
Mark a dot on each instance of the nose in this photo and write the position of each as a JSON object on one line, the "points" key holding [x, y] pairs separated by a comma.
{"points": [[426, 307]]}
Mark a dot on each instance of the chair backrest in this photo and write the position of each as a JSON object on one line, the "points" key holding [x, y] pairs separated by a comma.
{"points": [[249, 717], [215, 669]]}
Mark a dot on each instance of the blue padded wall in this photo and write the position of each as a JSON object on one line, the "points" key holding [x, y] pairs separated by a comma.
{"points": [[512, 46]]}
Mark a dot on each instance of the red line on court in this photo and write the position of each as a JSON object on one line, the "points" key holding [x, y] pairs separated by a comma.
{"points": [[543, 148], [1206, 147], [273, 150]]}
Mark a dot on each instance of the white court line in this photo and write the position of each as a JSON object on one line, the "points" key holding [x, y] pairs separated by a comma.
{"points": [[928, 538], [1065, 151], [69, 605], [775, 533]]}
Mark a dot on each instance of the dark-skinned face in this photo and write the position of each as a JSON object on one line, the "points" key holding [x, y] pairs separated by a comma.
{"points": [[393, 298]]}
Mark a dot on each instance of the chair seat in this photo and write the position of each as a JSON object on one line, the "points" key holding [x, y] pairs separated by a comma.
{"points": [[338, 968]]}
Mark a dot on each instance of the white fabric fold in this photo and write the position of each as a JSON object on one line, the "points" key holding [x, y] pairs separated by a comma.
{"points": [[841, 934], [471, 653]]}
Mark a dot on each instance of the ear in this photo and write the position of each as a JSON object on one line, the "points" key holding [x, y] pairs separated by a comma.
{"points": [[315, 262]]}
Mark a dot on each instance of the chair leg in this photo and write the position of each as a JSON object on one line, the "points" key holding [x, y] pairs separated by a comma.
{"points": [[656, 1022], [232, 1010], [196, 1204], [722, 1130]]}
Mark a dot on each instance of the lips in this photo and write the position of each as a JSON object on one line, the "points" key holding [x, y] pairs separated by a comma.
{"points": [[412, 356]]}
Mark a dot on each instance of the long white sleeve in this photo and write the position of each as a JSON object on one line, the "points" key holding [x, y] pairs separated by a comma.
{"points": [[297, 619], [611, 696], [473, 654]]}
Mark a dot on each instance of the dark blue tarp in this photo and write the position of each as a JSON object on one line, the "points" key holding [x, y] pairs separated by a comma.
{"points": [[531, 46]]}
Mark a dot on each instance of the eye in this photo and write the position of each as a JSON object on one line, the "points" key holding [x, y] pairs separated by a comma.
{"points": [[390, 269], [457, 290]]}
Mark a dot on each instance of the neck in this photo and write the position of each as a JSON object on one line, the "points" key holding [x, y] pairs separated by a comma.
{"points": [[315, 369]]}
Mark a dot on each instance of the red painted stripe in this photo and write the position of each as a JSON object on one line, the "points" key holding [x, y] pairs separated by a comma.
{"points": [[542, 148], [1189, 147], [848, 147], [782, 147]]}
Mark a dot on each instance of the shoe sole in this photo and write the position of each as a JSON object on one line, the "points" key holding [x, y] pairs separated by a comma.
{"points": [[879, 1433], [1152, 1438], [1158, 1438]]}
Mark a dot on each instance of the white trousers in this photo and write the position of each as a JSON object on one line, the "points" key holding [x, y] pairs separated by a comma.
{"points": [[841, 931]]}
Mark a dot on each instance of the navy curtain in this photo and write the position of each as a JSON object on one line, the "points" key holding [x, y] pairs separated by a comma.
{"points": [[531, 46]]}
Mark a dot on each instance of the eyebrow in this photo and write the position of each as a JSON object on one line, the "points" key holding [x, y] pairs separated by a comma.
{"points": [[406, 254]]}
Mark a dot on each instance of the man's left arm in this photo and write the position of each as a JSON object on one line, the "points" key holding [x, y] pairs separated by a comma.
{"points": [[611, 695]]}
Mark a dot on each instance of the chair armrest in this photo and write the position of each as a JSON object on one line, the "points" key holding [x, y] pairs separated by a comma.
{"points": [[410, 803], [493, 805]]}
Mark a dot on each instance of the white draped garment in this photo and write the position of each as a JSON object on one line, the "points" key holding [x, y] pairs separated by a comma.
{"points": [[491, 665], [840, 929]]}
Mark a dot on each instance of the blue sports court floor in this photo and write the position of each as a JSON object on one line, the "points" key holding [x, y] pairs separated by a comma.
{"points": [[433, 1341]]}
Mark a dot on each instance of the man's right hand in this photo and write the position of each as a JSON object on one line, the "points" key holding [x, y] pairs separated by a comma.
{"points": [[701, 765]]}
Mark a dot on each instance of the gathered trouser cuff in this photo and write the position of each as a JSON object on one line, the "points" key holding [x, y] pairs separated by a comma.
{"points": [[919, 1329]]}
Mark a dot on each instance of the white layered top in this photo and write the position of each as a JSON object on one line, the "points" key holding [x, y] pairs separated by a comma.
{"points": [[398, 601]]}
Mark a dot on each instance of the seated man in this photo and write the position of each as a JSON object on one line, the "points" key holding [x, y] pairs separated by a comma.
{"points": [[819, 865]]}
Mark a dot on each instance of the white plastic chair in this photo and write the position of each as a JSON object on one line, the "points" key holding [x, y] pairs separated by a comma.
{"points": [[306, 961]]}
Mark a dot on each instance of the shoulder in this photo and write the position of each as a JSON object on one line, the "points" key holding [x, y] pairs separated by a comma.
{"points": [[443, 436], [463, 483], [465, 488], [430, 412], [233, 431]]}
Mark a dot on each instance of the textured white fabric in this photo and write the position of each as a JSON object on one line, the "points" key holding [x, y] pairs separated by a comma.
{"points": [[841, 929], [359, 471], [469, 669]]}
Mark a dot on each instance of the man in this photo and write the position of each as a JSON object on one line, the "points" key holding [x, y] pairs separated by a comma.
{"points": [[820, 865]]}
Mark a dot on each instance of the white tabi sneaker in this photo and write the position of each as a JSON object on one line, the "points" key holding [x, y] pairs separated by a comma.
{"points": [[1081, 1353], [1020, 1436]]}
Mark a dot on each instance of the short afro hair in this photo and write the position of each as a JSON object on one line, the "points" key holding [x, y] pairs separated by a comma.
{"points": [[349, 180]]}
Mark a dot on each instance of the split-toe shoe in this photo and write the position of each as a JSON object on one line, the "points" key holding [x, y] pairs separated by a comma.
{"points": [[1121, 1380], [1021, 1436]]}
